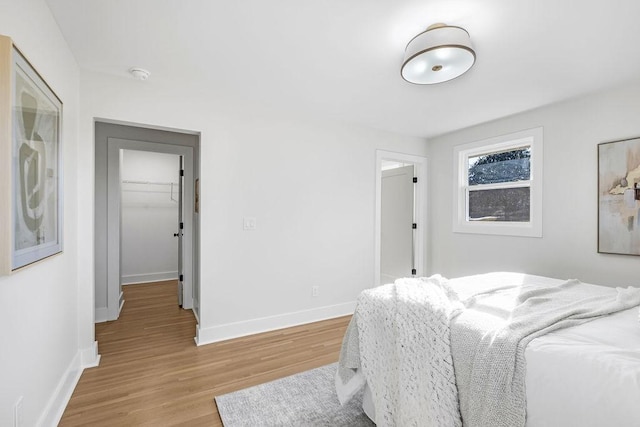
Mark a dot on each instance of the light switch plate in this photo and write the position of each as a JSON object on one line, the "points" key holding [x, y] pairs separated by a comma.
{"points": [[249, 223]]}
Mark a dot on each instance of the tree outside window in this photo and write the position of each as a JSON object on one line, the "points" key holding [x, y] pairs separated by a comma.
{"points": [[499, 185]]}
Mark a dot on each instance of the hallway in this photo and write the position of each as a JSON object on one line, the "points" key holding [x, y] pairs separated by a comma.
{"points": [[152, 374]]}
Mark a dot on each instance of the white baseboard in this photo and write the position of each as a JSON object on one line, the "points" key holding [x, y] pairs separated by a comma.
{"points": [[265, 324], [84, 358], [149, 277], [89, 357], [121, 303], [101, 314], [58, 402]]}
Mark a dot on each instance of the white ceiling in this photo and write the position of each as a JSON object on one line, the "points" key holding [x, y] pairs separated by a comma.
{"points": [[340, 59]]}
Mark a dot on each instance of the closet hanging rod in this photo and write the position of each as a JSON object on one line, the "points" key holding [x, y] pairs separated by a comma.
{"points": [[126, 181]]}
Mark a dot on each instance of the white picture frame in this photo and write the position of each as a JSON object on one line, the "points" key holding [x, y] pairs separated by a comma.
{"points": [[33, 228]]}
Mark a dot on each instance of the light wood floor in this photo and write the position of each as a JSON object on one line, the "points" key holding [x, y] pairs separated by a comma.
{"points": [[152, 374]]}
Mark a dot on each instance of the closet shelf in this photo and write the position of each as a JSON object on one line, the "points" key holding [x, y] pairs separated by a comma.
{"points": [[151, 187], [126, 181]]}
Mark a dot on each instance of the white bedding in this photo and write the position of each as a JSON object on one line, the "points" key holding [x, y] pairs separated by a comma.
{"points": [[587, 375]]}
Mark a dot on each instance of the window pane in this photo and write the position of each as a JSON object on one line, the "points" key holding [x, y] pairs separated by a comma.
{"points": [[505, 204], [508, 166]]}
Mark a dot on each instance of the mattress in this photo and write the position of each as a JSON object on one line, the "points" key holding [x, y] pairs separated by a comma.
{"points": [[586, 375]]}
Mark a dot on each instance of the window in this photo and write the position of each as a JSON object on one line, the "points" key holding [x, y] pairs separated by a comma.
{"points": [[498, 189]]}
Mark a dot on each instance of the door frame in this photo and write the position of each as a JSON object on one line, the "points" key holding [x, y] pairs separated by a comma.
{"points": [[159, 137], [115, 146], [420, 207]]}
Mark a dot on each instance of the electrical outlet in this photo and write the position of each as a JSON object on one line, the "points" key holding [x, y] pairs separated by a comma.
{"points": [[17, 413], [315, 291]]}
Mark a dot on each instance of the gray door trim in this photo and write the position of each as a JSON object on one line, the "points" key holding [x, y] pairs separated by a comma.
{"points": [[159, 136]]}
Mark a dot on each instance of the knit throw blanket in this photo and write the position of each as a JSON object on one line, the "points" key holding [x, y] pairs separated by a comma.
{"points": [[489, 339], [399, 341], [406, 338]]}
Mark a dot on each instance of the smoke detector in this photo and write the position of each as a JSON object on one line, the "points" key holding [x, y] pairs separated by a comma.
{"points": [[139, 73]]}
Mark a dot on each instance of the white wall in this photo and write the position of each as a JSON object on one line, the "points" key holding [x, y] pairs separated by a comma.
{"points": [[311, 186], [568, 248], [40, 354], [149, 216]]}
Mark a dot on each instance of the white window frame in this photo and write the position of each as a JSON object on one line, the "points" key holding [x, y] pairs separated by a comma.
{"points": [[461, 223]]}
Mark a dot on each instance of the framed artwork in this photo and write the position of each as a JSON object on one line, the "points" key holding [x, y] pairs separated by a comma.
{"points": [[619, 197], [34, 191]]}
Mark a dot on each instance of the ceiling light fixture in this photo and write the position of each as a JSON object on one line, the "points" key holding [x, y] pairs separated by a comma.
{"points": [[439, 54], [139, 73]]}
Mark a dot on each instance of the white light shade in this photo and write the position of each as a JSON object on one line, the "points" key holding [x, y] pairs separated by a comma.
{"points": [[439, 54]]}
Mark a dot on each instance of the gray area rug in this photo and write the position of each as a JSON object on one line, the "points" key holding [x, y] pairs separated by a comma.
{"points": [[305, 399]]}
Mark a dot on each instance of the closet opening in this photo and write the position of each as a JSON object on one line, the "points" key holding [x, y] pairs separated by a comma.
{"points": [[146, 219]]}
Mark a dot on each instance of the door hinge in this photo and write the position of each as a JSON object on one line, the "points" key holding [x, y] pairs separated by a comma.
{"points": [[181, 172], [182, 277], [413, 272], [414, 226], [415, 179], [182, 225]]}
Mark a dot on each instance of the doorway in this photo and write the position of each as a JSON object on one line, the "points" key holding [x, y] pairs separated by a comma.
{"points": [[150, 194], [114, 143], [401, 223]]}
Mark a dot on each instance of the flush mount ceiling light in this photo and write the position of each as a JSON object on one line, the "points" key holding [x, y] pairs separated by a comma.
{"points": [[139, 73], [439, 54]]}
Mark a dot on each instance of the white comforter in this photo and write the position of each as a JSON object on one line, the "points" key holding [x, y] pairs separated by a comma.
{"points": [[540, 356], [586, 375]]}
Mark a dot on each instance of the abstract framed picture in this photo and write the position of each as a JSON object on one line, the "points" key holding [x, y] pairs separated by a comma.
{"points": [[619, 197], [34, 191]]}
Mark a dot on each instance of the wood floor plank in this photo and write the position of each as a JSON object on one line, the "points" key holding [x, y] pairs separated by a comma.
{"points": [[151, 372]]}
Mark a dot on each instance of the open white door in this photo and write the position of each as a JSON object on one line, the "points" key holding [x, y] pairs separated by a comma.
{"points": [[179, 235], [406, 187], [397, 224]]}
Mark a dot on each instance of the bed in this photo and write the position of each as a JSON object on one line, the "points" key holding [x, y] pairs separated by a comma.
{"points": [[583, 370]]}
